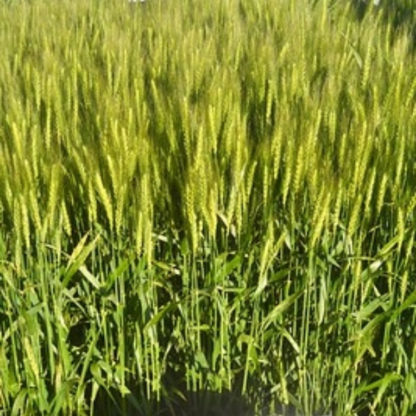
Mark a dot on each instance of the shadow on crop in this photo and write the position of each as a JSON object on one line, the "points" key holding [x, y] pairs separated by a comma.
{"points": [[204, 403]]}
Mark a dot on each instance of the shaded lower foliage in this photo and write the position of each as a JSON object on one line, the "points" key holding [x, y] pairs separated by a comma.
{"points": [[204, 403]]}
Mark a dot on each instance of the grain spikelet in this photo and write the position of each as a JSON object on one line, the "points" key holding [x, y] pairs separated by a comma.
{"points": [[92, 203], [399, 164], [48, 127], [404, 286], [381, 193], [53, 194], [35, 148], [367, 63], [228, 135], [211, 213], [299, 166], [29, 178], [352, 225], [17, 141], [342, 150], [199, 177], [139, 233], [231, 205], [33, 362], [148, 240], [239, 214], [190, 215], [249, 180], [25, 221], [332, 126], [323, 21], [65, 219], [400, 226], [113, 175], [411, 206], [320, 215], [37, 88], [105, 198], [287, 176], [313, 181], [34, 209], [237, 161], [266, 187], [269, 101], [213, 126], [370, 190], [186, 128], [120, 201], [410, 94], [80, 165], [399, 85], [317, 126], [276, 151]]}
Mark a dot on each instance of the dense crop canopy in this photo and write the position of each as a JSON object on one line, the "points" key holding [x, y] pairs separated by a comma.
{"points": [[207, 195]]}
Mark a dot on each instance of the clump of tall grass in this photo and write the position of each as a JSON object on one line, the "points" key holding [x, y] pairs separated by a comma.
{"points": [[206, 196]]}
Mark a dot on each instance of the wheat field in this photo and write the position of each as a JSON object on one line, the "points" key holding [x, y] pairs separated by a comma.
{"points": [[207, 197]]}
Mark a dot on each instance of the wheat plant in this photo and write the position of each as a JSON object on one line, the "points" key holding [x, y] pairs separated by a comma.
{"points": [[207, 197]]}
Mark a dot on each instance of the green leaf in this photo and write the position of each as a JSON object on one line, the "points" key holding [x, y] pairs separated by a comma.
{"points": [[201, 359], [19, 403], [77, 259], [281, 308]]}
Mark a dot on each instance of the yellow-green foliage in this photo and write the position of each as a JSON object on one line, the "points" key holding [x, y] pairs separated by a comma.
{"points": [[98, 97]]}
